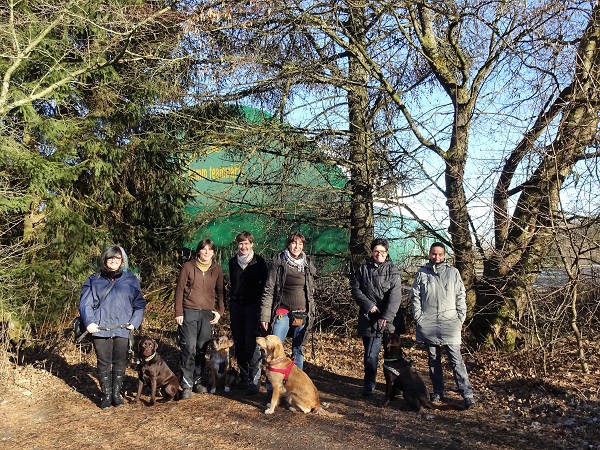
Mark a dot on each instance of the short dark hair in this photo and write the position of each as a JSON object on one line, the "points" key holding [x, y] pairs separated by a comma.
{"points": [[109, 252], [438, 244], [244, 236], [203, 243], [293, 236], [379, 241]]}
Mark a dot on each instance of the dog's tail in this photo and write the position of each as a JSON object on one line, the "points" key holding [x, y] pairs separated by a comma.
{"points": [[322, 411], [443, 406]]}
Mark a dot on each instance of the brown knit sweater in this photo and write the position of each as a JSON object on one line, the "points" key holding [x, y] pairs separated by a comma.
{"points": [[199, 290]]}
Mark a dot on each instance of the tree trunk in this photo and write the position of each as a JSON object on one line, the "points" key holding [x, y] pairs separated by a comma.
{"points": [[361, 171]]}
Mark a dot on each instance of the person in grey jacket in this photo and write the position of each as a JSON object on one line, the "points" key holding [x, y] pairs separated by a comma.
{"points": [[111, 305], [376, 288], [289, 292], [439, 310]]}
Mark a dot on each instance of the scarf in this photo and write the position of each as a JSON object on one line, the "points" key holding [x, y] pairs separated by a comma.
{"points": [[244, 260], [203, 266], [299, 263]]}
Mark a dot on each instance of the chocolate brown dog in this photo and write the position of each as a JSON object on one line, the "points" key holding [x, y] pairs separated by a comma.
{"points": [[154, 372], [401, 375]]}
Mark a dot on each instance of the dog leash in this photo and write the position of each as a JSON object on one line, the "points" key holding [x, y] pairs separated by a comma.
{"points": [[110, 327]]}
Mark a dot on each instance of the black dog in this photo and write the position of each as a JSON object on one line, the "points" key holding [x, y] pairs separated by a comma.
{"points": [[401, 375], [154, 372]]}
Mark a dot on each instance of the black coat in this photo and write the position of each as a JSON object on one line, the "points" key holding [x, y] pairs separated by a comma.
{"points": [[247, 284]]}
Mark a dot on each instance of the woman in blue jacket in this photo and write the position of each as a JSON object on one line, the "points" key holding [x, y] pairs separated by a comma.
{"points": [[111, 305]]}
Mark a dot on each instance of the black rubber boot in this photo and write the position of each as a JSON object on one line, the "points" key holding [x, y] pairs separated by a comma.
{"points": [[105, 379], [118, 376]]}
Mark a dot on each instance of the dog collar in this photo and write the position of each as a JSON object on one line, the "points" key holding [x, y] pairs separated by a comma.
{"points": [[286, 371], [150, 357], [391, 369]]}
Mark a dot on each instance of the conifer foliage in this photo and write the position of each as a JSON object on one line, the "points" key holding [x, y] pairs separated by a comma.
{"points": [[82, 162]]}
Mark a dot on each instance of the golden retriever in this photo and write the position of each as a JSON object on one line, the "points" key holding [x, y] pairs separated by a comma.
{"points": [[287, 380]]}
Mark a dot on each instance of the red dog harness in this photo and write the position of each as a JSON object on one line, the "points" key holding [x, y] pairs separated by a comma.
{"points": [[286, 371]]}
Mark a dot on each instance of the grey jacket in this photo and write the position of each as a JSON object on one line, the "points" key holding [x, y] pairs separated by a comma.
{"points": [[438, 304], [376, 285]]}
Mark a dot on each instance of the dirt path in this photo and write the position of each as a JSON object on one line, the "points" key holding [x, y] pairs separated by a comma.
{"points": [[51, 404]]}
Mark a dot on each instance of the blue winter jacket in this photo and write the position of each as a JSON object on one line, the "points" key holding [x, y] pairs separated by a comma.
{"points": [[123, 304]]}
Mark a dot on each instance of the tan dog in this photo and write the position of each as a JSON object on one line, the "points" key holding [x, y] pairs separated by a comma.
{"points": [[287, 380], [219, 364]]}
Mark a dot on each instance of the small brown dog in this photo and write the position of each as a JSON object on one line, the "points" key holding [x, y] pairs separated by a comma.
{"points": [[287, 380], [154, 372], [401, 375], [219, 364]]}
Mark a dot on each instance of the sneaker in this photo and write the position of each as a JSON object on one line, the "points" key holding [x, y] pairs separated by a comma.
{"points": [[186, 394], [367, 392], [437, 397], [470, 403], [199, 389]]}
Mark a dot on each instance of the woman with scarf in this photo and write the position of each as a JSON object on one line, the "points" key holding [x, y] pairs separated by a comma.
{"points": [[111, 305], [247, 272], [199, 287], [287, 300]]}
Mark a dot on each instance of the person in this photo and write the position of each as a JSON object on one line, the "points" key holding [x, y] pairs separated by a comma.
{"points": [[248, 272], [111, 306], [376, 288], [288, 293], [439, 310], [199, 288]]}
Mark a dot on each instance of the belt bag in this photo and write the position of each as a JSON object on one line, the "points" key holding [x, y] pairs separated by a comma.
{"points": [[298, 317]]}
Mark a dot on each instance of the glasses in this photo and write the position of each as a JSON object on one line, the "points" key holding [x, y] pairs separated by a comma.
{"points": [[114, 257], [379, 252]]}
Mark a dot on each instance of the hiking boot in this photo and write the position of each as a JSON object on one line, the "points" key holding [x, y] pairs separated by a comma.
{"points": [[470, 403], [366, 392], [252, 389], [199, 389], [437, 397], [186, 394]]}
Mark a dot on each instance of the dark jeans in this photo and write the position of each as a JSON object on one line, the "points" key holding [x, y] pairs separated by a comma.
{"points": [[194, 335], [111, 353], [372, 347], [244, 324]]}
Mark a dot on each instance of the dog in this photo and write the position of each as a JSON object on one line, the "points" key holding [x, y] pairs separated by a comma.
{"points": [[287, 380], [219, 364], [153, 371], [401, 375]]}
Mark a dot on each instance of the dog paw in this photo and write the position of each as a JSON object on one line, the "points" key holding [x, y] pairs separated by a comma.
{"points": [[213, 390], [227, 389], [269, 411]]}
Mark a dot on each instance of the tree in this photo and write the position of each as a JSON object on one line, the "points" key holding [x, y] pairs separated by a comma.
{"points": [[399, 89], [85, 162]]}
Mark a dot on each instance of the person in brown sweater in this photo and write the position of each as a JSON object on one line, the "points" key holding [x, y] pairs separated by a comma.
{"points": [[199, 289]]}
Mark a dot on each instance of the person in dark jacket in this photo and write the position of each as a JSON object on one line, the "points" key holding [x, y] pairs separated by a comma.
{"points": [[199, 288], [288, 296], [248, 272], [439, 309], [111, 305], [377, 291]]}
